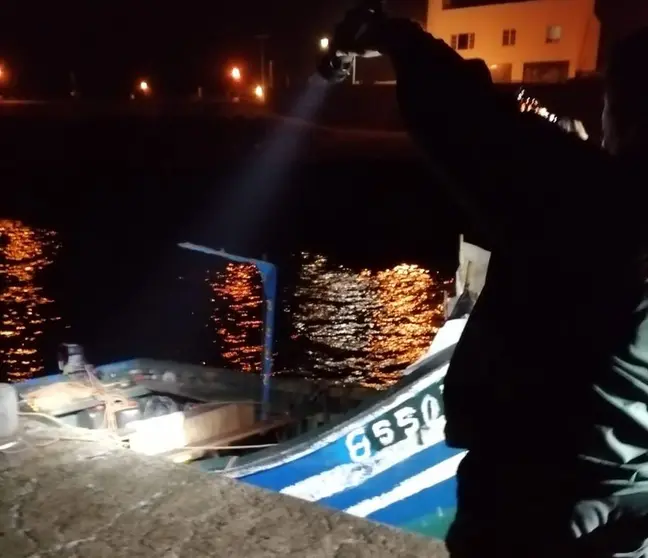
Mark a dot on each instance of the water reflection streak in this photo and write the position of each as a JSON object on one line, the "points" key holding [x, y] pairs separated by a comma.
{"points": [[24, 252], [237, 316], [364, 327]]}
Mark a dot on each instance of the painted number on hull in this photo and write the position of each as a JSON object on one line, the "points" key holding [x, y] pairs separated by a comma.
{"points": [[404, 422]]}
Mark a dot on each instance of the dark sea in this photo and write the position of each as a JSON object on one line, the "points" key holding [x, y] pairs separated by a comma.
{"points": [[123, 298], [90, 220]]}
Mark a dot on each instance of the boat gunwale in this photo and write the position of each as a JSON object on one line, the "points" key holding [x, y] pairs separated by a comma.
{"points": [[432, 369]]}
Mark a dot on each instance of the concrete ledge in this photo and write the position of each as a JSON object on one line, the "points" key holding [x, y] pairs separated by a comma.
{"points": [[89, 499]]}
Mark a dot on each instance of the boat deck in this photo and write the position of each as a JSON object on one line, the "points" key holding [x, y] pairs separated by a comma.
{"points": [[186, 412], [139, 377]]}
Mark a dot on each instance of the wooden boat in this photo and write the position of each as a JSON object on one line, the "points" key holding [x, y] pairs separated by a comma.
{"points": [[185, 412], [376, 455]]}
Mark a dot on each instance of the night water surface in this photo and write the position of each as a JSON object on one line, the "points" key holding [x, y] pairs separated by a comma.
{"points": [[355, 325]]}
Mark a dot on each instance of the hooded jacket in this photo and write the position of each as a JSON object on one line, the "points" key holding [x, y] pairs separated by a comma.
{"points": [[554, 359]]}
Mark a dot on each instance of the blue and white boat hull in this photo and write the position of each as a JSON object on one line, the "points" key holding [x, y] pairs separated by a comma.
{"points": [[387, 461]]}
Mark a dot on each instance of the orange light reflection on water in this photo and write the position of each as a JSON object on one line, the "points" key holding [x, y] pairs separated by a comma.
{"points": [[24, 252], [366, 326], [362, 327], [405, 320], [238, 324]]}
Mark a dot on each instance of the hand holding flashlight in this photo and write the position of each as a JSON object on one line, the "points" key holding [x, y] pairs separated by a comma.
{"points": [[356, 35]]}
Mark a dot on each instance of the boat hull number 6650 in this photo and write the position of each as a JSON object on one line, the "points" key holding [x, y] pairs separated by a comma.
{"points": [[406, 421]]}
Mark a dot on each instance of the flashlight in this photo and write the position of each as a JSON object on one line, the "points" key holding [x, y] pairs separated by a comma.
{"points": [[337, 63]]}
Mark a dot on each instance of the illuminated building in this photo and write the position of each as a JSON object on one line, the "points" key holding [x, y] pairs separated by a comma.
{"points": [[529, 41]]}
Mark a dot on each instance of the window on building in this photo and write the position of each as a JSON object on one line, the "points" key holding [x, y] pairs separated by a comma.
{"points": [[554, 34], [509, 36], [463, 41]]}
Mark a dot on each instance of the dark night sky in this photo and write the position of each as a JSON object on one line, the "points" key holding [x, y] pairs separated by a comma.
{"points": [[121, 39], [183, 38]]}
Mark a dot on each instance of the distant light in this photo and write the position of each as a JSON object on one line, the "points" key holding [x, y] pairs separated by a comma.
{"points": [[258, 92], [236, 73], [324, 43], [144, 87]]}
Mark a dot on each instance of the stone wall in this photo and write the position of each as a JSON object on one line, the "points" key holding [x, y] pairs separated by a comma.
{"points": [[68, 498]]}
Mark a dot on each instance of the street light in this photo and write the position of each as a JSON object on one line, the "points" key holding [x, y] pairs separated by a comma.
{"points": [[262, 40], [324, 43], [236, 73], [4, 74], [259, 93], [144, 87]]}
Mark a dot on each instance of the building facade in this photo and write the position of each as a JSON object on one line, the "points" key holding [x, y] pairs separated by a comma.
{"points": [[530, 41]]}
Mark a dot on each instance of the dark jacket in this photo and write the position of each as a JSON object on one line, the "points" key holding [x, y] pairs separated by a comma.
{"points": [[551, 359]]}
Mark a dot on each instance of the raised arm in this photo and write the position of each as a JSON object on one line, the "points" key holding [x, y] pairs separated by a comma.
{"points": [[505, 168]]}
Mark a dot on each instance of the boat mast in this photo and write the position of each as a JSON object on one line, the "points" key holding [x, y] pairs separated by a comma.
{"points": [[268, 274]]}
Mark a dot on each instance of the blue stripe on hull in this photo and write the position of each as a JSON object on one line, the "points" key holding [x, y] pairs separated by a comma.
{"points": [[424, 503], [391, 478], [429, 511], [296, 471], [408, 488]]}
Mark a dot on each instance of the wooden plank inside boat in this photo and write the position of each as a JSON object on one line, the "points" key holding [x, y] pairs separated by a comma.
{"points": [[204, 428]]}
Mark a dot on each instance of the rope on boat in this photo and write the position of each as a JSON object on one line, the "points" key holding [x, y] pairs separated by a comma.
{"points": [[29, 440], [113, 399]]}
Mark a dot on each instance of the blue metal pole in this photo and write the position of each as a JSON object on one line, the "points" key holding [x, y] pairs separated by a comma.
{"points": [[269, 278], [268, 274]]}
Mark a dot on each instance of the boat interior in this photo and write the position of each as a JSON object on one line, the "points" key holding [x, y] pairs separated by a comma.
{"points": [[186, 412]]}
